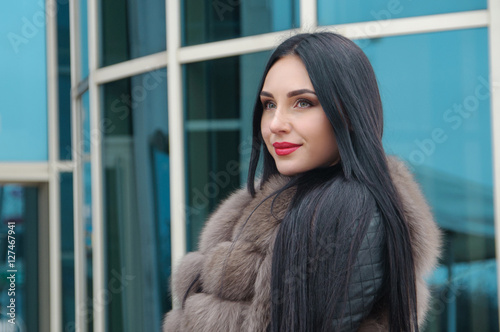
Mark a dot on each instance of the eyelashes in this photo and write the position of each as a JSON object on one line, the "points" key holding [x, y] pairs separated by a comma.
{"points": [[304, 101], [299, 103], [266, 103]]}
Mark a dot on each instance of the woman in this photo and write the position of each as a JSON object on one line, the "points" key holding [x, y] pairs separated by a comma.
{"points": [[336, 236]]}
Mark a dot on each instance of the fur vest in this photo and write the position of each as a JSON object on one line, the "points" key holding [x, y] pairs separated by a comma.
{"points": [[243, 304]]}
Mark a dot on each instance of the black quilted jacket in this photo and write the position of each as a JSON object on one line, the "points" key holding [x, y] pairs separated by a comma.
{"points": [[366, 279]]}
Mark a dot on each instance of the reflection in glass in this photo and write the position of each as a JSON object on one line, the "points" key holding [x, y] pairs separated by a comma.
{"points": [[131, 29], [213, 101], [87, 220], [209, 21], [220, 96], [64, 81], [67, 250], [19, 257], [85, 119], [136, 177], [435, 90], [340, 12], [214, 172]]}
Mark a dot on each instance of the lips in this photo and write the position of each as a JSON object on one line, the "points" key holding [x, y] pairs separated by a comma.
{"points": [[285, 148]]}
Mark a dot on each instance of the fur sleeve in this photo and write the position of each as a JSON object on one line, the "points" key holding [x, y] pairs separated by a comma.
{"points": [[186, 276], [218, 229]]}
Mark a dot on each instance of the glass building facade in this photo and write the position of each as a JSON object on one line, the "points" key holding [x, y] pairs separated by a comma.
{"points": [[125, 123]]}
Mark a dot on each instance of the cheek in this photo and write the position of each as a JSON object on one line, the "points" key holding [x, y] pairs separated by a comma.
{"points": [[331, 146], [264, 130], [322, 139]]}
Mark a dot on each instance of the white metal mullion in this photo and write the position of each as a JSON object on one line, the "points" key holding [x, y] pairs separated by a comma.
{"points": [[81, 305], [65, 166], [233, 47], [176, 133], [131, 67], [54, 188], [413, 25], [98, 239], [24, 172], [494, 49], [81, 86], [76, 145], [308, 15], [372, 29]]}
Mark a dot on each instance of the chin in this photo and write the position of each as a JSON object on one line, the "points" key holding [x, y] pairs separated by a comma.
{"points": [[288, 171]]}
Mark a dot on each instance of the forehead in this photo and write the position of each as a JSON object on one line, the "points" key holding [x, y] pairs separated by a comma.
{"points": [[288, 73]]}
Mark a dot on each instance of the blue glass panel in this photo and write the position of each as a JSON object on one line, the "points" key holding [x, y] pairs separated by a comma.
{"points": [[64, 116], [218, 140], [85, 109], [339, 12], [208, 21], [161, 173], [435, 90], [84, 41], [87, 220], [131, 29], [87, 204], [137, 194], [67, 250], [437, 81], [23, 83], [64, 84]]}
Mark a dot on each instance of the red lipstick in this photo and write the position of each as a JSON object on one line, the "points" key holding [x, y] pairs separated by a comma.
{"points": [[284, 148]]}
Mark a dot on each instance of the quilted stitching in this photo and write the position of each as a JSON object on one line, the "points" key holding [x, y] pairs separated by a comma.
{"points": [[366, 278]]}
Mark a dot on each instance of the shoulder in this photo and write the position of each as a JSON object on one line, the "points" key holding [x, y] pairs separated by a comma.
{"points": [[424, 233], [220, 224]]}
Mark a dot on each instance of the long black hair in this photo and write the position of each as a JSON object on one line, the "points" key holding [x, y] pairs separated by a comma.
{"points": [[332, 207]]}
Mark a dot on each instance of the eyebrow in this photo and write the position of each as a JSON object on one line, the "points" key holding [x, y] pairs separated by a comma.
{"points": [[289, 94]]}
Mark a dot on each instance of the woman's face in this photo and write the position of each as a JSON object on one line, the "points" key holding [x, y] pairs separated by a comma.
{"points": [[294, 126]]}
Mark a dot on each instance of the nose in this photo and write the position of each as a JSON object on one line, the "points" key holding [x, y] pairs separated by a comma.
{"points": [[279, 123]]}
